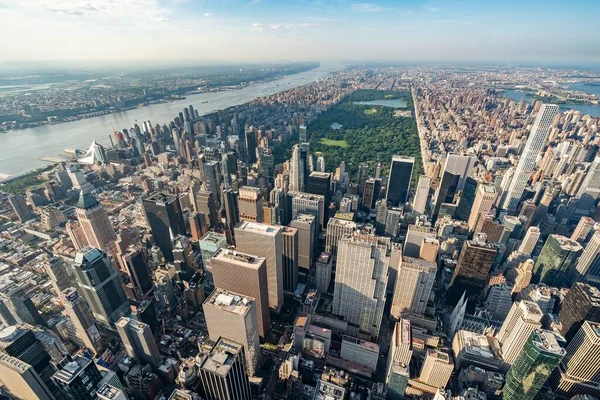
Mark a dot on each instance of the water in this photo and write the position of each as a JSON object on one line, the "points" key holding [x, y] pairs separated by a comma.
{"points": [[336, 126], [394, 103], [592, 109], [21, 150]]}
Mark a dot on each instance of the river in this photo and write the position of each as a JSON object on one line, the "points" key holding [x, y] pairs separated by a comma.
{"points": [[21, 150], [592, 109]]}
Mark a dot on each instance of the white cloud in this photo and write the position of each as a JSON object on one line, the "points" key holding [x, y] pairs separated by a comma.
{"points": [[207, 14], [367, 7], [303, 25], [256, 27]]}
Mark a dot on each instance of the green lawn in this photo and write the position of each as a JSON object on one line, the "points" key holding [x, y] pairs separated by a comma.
{"points": [[338, 143], [370, 111]]}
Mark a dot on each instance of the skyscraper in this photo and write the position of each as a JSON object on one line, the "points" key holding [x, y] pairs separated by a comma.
{"points": [[555, 265], [584, 229], [422, 194], [22, 380], [213, 178], [232, 210], [264, 241], [530, 240], [319, 183], [589, 191], [524, 317], [95, 224], [360, 281], [336, 229], [399, 356], [461, 165], [306, 203], [77, 378], [466, 199], [533, 366], [136, 267], [579, 371], [235, 315], [398, 184], [20, 207], [484, 201], [535, 142], [100, 285], [165, 219], [437, 369], [323, 272], [299, 168], [16, 306], [290, 258], [473, 267], [414, 282], [79, 312], [139, 341], [251, 144], [306, 225], [250, 204], [371, 193], [247, 275], [588, 258], [582, 303], [223, 372]]}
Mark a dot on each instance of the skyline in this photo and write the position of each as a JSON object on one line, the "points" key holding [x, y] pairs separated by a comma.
{"points": [[552, 32]]}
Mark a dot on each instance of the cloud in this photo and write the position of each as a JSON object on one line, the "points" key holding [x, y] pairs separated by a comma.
{"points": [[367, 7], [303, 25], [257, 27], [207, 14], [431, 9]]}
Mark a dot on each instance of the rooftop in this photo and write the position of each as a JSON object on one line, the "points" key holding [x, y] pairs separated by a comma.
{"points": [[320, 174], [417, 263], [222, 356], [439, 356], [259, 228], [109, 391], [160, 198], [238, 257], [344, 216], [567, 244], [546, 341], [213, 237], [229, 301], [363, 343], [324, 258], [307, 218], [72, 369]]}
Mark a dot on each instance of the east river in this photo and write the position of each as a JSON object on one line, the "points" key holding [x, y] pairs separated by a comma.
{"points": [[21, 150]]}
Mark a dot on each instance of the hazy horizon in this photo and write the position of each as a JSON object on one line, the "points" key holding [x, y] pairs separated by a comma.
{"points": [[256, 31]]}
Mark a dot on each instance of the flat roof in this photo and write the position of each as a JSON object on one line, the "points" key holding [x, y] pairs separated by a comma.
{"points": [[238, 257], [229, 301], [222, 356], [257, 227]]}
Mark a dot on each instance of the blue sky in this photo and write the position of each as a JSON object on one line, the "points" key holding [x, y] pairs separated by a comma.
{"points": [[557, 32]]}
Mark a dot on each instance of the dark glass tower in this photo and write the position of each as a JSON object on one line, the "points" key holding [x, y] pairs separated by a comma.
{"points": [[399, 180], [164, 216], [446, 192], [582, 303], [77, 378], [467, 199]]}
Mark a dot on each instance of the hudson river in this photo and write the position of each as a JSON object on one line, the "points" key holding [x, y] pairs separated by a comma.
{"points": [[20, 150]]}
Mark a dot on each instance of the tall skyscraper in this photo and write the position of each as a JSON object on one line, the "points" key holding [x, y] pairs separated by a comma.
{"points": [[247, 275], [414, 282], [336, 229], [579, 371], [20, 207], [540, 355], [16, 306], [100, 285], [250, 204], [137, 271], [139, 341], [484, 202], [524, 317], [223, 372], [306, 203], [77, 378], [79, 312], [535, 142], [445, 192], [360, 281], [371, 191], [437, 369], [588, 258], [466, 199], [299, 168], [95, 224], [235, 315], [22, 380], [212, 177], [399, 356], [264, 241], [530, 240], [460, 165], [21, 343], [555, 265], [232, 210], [306, 225], [251, 144], [421, 195], [589, 191], [584, 229], [323, 272], [319, 183], [290, 258], [582, 303], [473, 267], [398, 184], [165, 219]]}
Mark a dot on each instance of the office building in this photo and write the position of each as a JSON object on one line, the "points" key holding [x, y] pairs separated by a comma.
{"points": [[478, 350], [306, 203], [83, 321], [460, 165], [579, 371], [530, 240], [251, 145], [414, 282], [223, 372], [139, 342], [299, 168], [264, 241], [250, 204], [213, 179], [583, 230], [306, 225], [555, 266], [540, 355], [94, 223], [473, 267], [499, 300], [20, 348], [524, 317], [206, 202], [398, 363], [360, 281], [20, 207], [209, 244], [323, 272], [138, 273], [232, 210], [589, 258], [445, 192], [422, 195], [582, 303], [16, 306], [319, 183], [100, 285], [533, 146], [328, 391], [247, 275], [77, 378], [234, 315], [437, 369], [466, 199], [360, 352], [165, 219], [398, 185], [414, 240], [371, 192], [589, 191], [336, 229], [290, 258], [110, 392], [484, 202]]}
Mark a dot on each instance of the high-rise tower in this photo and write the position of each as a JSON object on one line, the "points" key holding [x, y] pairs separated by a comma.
{"points": [[398, 184], [94, 222]]}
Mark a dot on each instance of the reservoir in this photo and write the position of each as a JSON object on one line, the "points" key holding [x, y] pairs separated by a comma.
{"points": [[20, 150]]}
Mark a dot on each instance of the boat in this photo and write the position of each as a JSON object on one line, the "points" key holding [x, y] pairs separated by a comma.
{"points": [[204, 102]]}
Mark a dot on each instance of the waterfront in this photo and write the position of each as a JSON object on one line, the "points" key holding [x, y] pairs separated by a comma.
{"points": [[592, 109], [21, 150]]}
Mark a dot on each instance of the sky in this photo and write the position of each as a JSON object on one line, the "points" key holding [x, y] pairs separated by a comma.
{"points": [[531, 31]]}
